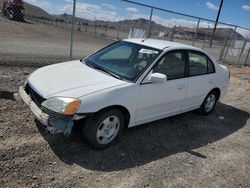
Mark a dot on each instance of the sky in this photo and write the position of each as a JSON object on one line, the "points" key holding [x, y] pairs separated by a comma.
{"points": [[236, 12]]}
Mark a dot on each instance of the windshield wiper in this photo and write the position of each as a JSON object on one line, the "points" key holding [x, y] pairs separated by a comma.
{"points": [[107, 71]]}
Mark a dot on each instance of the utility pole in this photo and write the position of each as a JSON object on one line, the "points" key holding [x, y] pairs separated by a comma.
{"points": [[150, 23], [216, 22]]}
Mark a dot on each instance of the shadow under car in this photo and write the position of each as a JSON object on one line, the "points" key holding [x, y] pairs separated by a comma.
{"points": [[152, 141]]}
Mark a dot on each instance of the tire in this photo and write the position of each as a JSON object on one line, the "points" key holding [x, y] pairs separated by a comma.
{"points": [[101, 130], [18, 15], [10, 13], [209, 103]]}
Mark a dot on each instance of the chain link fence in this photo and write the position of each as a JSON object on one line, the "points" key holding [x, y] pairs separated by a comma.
{"points": [[229, 44], [34, 33]]}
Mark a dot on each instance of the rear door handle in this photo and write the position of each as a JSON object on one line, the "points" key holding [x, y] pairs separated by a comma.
{"points": [[181, 86]]}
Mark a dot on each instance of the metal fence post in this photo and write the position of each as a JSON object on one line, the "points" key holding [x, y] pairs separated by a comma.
{"points": [[86, 28], [224, 46], [245, 63], [172, 33], [95, 27], [149, 23], [205, 39], [195, 35], [232, 36], [105, 34], [72, 29], [241, 51], [118, 31], [78, 26]]}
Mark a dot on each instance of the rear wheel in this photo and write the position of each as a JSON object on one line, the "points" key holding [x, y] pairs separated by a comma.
{"points": [[209, 103], [102, 129]]}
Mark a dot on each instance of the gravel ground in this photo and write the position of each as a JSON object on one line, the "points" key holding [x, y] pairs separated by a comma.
{"points": [[187, 150]]}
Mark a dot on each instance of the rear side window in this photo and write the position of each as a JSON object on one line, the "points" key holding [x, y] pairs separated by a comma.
{"points": [[210, 66], [199, 64], [172, 65]]}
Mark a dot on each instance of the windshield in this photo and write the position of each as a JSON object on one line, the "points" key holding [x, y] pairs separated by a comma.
{"points": [[124, 59]]}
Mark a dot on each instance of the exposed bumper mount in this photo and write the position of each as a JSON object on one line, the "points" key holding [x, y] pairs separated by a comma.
{"points": [[53, 124]]}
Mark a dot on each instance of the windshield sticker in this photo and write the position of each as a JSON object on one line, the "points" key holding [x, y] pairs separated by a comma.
{"points": [[147, 51]]}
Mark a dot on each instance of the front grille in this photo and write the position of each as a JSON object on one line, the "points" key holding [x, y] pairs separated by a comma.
{"points": [[38, 100]]}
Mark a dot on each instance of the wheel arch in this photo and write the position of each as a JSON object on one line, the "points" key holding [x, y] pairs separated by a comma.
{"points": [[123, 109], [218, 91]]}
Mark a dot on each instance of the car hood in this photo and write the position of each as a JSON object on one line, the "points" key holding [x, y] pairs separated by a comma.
{"points": [[70, 79]]}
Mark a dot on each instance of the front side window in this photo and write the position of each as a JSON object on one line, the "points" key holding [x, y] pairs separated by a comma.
{"points": [[172, 65], [199, 64], [124, 59]]}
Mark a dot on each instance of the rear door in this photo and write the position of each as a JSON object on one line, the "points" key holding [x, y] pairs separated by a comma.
{"points": [[201, 80]]}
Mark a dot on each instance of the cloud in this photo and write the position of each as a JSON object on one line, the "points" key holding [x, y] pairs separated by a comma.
{"points": [[132, 9], [45, 4], [91, 11], [212, 6], [244, 32], [109, 6], [246, 7]]}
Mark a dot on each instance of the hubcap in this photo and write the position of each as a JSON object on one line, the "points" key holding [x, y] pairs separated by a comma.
{"points": [[108, 129], [210, 102]]}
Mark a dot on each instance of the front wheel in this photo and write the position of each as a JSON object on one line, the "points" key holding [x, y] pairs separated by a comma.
{"points": [[102, 129], [209, 103]]}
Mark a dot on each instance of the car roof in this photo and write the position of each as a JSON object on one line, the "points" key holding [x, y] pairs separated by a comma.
{"points": [[161, 44]]}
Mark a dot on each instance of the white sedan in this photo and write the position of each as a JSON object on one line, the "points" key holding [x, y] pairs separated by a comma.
{"points": [[125, 84]]}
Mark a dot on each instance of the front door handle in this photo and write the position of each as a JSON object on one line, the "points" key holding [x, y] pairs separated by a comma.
{"points": [[181, 86], [211, 81]]}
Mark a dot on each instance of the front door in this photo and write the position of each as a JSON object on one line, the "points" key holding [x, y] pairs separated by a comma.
{"points": [[159, 100]]}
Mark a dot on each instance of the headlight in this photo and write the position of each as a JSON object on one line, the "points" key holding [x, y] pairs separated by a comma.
{"points": [[62, 105]]}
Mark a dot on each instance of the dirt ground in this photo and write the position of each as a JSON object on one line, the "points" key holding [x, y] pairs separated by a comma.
{"points": [[187, 150]]}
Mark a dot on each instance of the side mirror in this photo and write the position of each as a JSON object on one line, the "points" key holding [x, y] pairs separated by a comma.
{"points": [[158, 78]]}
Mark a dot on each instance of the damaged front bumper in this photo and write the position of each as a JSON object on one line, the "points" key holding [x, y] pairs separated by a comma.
{"points": [[54, 124]]}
